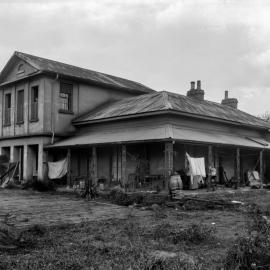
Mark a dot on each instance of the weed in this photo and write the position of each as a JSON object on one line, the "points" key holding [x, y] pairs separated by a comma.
{"points": [[252, 251]]}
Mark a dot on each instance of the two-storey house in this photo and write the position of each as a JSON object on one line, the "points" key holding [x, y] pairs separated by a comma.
{"points": [[40, 97]]}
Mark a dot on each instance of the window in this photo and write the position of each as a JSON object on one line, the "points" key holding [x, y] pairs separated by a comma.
{"points": [[34, 104], [7, 113], [20, 106], [66, 97]]}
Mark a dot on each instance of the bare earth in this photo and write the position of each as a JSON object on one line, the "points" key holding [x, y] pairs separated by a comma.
{"points": [[112, 236], [27, 208]]}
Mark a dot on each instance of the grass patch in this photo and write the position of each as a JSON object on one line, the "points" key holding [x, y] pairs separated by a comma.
{"points": [[97, 245], [253, 250], [194, 234]]}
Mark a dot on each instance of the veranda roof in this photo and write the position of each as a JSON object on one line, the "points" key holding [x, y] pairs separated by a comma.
{"points": [[160, 133]]}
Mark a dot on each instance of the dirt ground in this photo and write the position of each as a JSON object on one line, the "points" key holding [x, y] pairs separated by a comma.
{"points": [[26, 208], [101, 235]]}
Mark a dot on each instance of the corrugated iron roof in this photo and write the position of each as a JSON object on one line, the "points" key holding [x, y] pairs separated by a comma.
{"points": [[144, 133], [167, 101], [48, 65]]}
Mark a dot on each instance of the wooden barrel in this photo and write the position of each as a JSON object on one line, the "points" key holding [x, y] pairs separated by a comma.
{"points": [[175, 184]]}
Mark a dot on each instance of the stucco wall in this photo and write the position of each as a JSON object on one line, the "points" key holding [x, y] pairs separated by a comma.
{"points": [[27, 127], [85, 98]]}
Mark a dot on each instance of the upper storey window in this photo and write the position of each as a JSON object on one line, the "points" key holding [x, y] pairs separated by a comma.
{"points": [[7, 111], [20, 106], [20, 70], [65, 96], [34, 104]]}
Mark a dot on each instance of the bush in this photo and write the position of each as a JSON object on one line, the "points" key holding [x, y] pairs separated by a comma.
{"points": [[252, 251], [118, 196]]}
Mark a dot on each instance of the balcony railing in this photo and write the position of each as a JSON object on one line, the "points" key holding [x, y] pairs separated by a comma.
{"points": [[7, 116], [34, 111]]}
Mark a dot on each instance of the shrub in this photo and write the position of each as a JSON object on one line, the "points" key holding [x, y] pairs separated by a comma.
{"points": [[252, 251], [119, 196]]}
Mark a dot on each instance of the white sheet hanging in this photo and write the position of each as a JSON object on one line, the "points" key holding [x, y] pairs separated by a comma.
{"points": [[57, 169], [196, 166]]}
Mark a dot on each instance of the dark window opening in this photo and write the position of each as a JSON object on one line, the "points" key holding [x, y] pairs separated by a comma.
{"points": [[20, 106], [34, 103], [7, 113], [66, 97]]}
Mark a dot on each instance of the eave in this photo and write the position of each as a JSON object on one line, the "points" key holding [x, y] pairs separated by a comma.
{"points": [[29, 76]]}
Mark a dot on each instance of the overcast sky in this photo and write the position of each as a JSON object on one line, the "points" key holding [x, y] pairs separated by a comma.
{"points": [[163, 44]]}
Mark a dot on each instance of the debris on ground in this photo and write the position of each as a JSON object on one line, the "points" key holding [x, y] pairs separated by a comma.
{"points": [[195, 203]]}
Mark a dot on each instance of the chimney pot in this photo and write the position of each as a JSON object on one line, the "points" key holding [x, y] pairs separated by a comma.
{"points": [[231, 102], [198, 85], [196, 93]]}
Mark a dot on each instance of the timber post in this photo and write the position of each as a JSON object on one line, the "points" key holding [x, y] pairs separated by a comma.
{"points": [[210, 163], [124, 165], [68, 167], [237, 165], [168, 162], [210, 155], [261, 167], [217, 164], [93, 166]]}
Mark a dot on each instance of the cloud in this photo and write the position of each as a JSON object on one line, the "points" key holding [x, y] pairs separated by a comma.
{"points": [[162, 43]]}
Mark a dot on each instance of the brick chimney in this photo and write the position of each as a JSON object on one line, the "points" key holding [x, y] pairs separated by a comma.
{"points": [[197, 93], [231, 102]]}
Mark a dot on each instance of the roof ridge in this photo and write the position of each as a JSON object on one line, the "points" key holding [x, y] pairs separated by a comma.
{"points": [[166, 101], [210, 102], [108, 76]]}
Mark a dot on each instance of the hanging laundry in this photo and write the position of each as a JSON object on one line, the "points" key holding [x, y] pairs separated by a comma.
{"points": [[57, 169], [196, 166]]}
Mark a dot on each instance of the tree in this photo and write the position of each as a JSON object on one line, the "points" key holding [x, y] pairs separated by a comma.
{"points": [[265, 116]]}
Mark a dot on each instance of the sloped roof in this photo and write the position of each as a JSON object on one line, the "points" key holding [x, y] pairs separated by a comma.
{"points": [[46, 65], [152, 132], [167, 101]]}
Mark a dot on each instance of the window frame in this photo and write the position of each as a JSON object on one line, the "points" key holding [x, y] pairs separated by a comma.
{"points": [[5, 122], [19, 121], [34, 118], [68, 90]]}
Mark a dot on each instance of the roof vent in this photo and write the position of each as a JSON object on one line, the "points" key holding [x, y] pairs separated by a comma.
{"points": [[231, 102], [196, 93]]}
